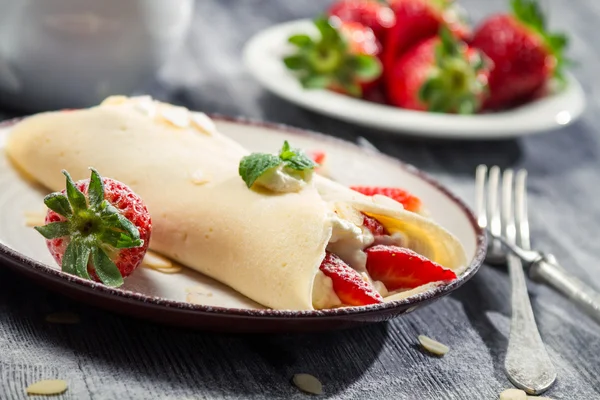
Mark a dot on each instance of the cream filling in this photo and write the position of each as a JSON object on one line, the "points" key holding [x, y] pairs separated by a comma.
{"points": [[348, 242], [284, 180], [323, 295]]}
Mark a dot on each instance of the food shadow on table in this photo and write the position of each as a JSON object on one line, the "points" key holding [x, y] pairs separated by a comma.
{"points": [[236, 364]]}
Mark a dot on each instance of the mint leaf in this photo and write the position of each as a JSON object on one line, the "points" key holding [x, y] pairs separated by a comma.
{"points": [[295, 158], [105, 268], [253, 166], [75, 196], [54, 230], [95, 189], [58, 203]]}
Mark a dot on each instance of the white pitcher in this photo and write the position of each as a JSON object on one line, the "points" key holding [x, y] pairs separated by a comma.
{"points": [[73, 53]]}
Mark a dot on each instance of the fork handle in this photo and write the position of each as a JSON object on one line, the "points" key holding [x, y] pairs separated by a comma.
{"points": [[547, 270]]}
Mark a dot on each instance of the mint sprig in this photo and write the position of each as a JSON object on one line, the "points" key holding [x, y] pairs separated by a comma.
{"points": [[255, 165]]}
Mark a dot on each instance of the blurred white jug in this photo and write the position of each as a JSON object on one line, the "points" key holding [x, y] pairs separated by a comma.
{"points": [[73, 53]]}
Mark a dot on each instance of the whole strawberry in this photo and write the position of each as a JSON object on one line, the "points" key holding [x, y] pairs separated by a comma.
{"points": [[525, 54], [441, 74], [343, 59], [415, 21], [373, 14], [97, 229]]}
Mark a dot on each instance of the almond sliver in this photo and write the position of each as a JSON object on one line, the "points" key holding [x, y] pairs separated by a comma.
{"points": [[35, 218], [155, 261], [47, 387], [308, 383], [433, 346], [513, 394]]}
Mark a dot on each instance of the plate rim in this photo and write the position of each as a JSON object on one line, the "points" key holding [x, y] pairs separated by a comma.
{"points": [[489, 123], [31, 266]]}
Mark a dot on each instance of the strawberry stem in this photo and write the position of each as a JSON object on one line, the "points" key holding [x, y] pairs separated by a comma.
{"points": [[328, 62], [455, 83], [93, 229]]}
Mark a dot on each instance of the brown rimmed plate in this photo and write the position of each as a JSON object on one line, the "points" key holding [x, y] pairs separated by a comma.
{"points": [[192, 300]]}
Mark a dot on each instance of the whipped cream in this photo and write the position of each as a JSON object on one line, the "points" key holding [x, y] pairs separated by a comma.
{"points": [[323, 295], [284, 180], [348, 241]]}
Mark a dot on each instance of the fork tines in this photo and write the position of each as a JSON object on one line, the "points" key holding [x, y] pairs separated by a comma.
{"points": [[501, 207]]}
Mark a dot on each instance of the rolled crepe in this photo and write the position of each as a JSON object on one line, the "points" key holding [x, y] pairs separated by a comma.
{"points": [[266, 246]]}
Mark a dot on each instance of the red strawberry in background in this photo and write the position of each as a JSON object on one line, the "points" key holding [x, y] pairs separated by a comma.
{"points": [[417, 20], [348, 284], [343, 59], [97, 229], [401, 268], [408, 200], [373, 14], [441, 74], [525, 54]]}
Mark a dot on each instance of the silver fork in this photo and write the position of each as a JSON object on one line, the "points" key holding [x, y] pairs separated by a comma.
{"points": [[527, 363]]}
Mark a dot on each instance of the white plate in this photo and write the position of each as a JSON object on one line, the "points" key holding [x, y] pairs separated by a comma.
{"points": [[263, 54], [192, 299]]}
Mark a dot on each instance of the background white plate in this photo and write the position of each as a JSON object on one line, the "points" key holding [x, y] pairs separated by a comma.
{"points": [[263, 54], [202, 298]]}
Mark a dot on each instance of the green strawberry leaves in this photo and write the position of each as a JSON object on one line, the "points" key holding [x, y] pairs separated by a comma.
{"points": [[255, 165], [455, 83], [54, 230], [328, 62], [529, 13], [93, 226]]}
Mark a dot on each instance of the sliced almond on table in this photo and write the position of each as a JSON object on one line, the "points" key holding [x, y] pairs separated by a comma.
{"points": [[47, 387], [513, 394], [433, 346], [63, 318], [308, 383]]}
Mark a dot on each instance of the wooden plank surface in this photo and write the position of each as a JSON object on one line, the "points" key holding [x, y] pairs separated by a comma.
{"points": [[107, 356]]}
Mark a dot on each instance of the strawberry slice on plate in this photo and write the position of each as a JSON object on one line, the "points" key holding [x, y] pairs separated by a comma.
{"points": [[401, 268], [348, 285], [408, 200], [97, 229]]}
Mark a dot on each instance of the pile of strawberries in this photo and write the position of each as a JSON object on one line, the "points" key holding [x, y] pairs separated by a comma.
{"points": [[423, 55]]}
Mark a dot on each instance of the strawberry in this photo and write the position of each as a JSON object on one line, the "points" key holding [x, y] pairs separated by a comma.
{"points": [[401, 268], [343, 59], [348, 285], [370, 13], [97, 229], [440, 74], [409, 201], [417, 20], [525, 54], [374, 226]]}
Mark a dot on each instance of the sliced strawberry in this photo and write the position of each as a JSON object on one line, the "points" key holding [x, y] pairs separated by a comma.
{"points": [[348, 285], [409, 201], [317, 156], [344, 59], [376, 228], [402, 268]]}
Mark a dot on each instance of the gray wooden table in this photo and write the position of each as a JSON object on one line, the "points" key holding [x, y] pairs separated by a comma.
{"points": [[107, 356]]}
